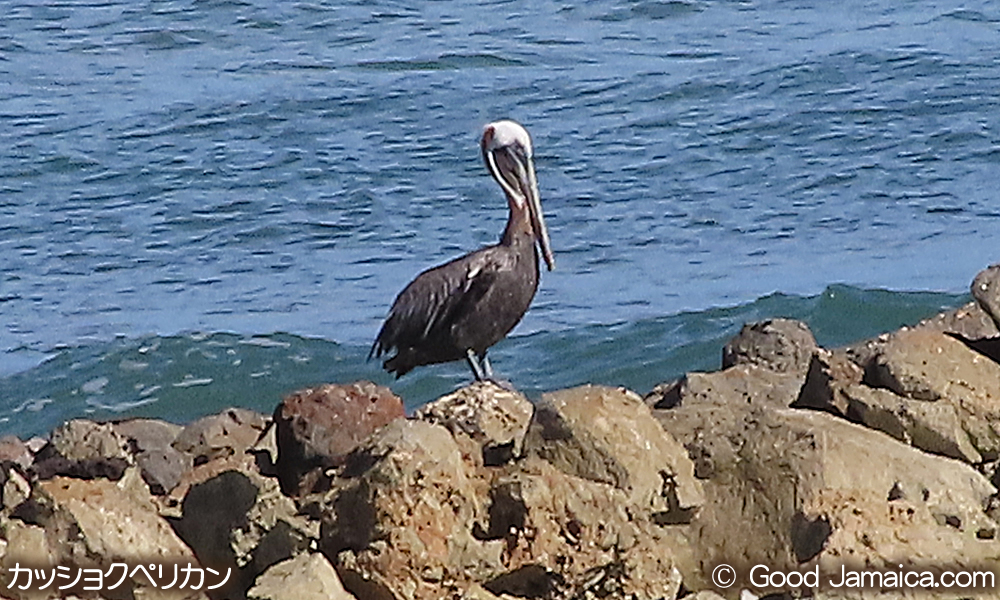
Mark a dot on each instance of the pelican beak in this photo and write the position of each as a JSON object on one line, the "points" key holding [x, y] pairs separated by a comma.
{"points": [[537, 216]]}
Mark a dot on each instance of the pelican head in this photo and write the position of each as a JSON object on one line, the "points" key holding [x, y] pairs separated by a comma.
{"points": [[506, 148]]}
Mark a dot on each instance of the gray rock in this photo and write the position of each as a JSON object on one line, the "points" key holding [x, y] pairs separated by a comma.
{"points": [[930, 366], [783, 345], [986, 291], [305, 577], [151, 442], [147, 434], [228, 433]]}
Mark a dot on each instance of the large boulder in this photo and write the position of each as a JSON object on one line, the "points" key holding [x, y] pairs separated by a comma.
{"points": [[835, 384], [783, 345], [494, 419], [609, 435], [92, 524], [318, 427], [933, 367], [569, 537], [399, 521], [772, 478]]}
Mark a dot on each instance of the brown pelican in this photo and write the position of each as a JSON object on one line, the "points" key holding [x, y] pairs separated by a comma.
{"points": [[461, 308]]}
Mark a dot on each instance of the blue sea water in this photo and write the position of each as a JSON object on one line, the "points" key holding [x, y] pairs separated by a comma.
{"points": [[214, 202]]}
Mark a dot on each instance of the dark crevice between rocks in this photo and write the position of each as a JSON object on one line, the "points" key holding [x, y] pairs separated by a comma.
{"points": [[362, 587], [55, 465], [530, 581], [352, 523], [809, 536], [988, 347], [498, 455], [675, 514]]}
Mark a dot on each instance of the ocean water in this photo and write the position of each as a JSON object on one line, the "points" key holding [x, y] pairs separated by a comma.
{"points": [[213, 202]]}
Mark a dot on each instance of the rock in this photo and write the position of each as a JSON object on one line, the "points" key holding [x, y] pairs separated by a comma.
{"points": [[744, 383], [773, 472], [608, 435], [834, 384], [986, 291], [151, 442], [828, 374], [111, 522], [305, 577], [14, 451], [318, 427], [495, 418], [240, 520], [783, 345], [567, 537], [228, 433], [85, 449], [399, 522], [930, 366]]}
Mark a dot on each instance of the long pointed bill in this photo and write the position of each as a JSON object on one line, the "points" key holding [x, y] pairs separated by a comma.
{"points": [[538, 217]]}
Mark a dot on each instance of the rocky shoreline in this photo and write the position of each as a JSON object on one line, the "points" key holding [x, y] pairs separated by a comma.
{"points": [[881, 456]]}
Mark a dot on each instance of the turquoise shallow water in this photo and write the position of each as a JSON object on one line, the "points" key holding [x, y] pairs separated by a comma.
{"points": [[270, 175]]}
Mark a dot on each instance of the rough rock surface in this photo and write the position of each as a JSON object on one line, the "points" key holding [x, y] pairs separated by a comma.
{"points": [[305, 577], [986, 291], [933, 367], [494, 418], [317, 427], [151, 442], [783, 345], [229, 433], [400, 521], [608, 435]]}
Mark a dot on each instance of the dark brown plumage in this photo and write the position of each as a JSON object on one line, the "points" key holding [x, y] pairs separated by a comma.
{"points": [[459, 309]]}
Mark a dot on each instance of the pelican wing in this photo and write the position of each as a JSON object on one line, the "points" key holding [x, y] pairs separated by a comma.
{"points": [[425, 310]]}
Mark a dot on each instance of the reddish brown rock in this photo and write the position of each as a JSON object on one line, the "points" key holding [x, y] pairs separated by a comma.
{"points": [[318, 427]]}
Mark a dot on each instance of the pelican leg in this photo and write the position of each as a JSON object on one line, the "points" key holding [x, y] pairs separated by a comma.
{"points": [[487, 367], [477, 369]]}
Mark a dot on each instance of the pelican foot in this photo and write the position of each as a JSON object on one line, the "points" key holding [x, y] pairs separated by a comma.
{"points": [[502, 383]]}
